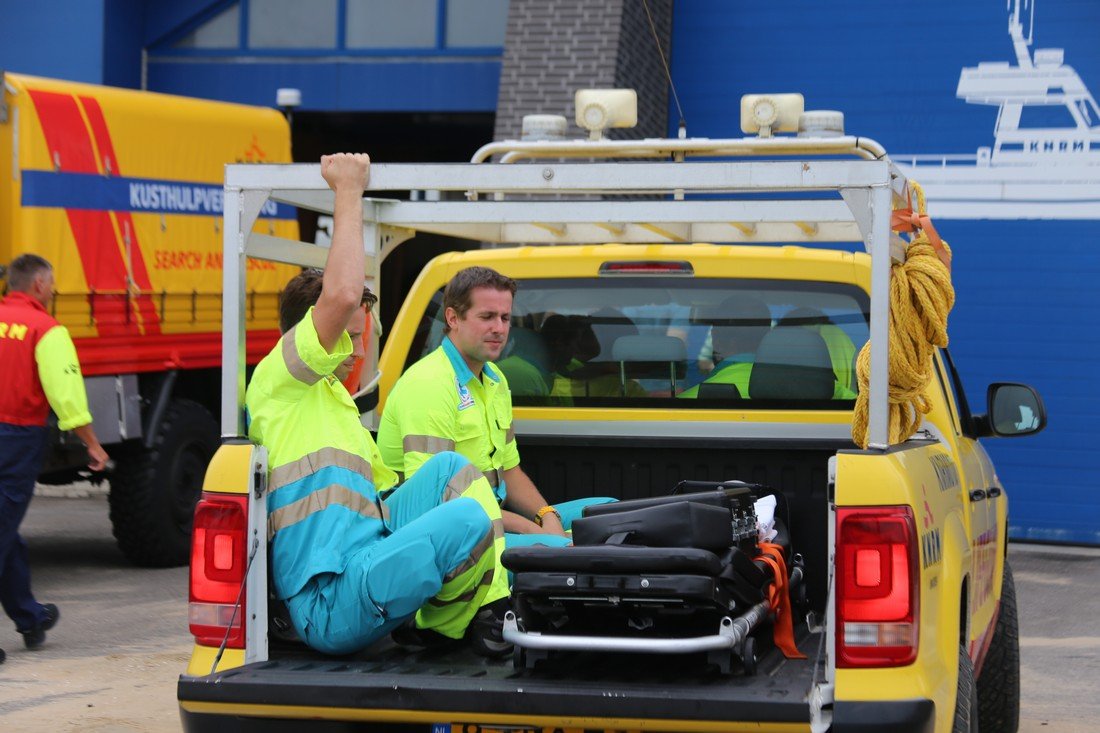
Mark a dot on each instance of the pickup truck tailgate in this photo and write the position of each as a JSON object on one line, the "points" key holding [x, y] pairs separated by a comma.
{"points": [[427, 691]]}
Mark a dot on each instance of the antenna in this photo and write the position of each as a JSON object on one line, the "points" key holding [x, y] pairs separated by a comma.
{"points": [[682, 134], [1021, 40]]}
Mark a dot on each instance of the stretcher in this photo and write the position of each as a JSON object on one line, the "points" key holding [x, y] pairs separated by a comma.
{"points": [[679, 574]]}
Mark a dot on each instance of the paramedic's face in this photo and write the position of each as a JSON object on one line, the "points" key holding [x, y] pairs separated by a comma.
{"points": [[480, 335], [357, 324]]}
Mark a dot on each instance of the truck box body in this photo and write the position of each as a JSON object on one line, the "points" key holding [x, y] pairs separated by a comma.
{"points": [[122, 192]]}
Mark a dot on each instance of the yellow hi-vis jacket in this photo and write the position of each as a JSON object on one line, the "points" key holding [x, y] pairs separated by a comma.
{"points": [[323, 461], [439, 405]]}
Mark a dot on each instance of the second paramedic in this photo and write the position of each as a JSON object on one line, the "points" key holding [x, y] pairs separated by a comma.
{"points": [[455, 398]]}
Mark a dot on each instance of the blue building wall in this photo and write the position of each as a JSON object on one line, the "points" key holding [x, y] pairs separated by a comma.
{"points": [[57, 38], [102, 42], [1026, 309]]}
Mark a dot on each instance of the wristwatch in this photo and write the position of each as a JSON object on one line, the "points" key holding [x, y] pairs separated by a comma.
{"points": [[543, 512]]}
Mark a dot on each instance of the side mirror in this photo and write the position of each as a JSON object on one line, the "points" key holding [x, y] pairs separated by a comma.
{"points": [[1013, 410]]}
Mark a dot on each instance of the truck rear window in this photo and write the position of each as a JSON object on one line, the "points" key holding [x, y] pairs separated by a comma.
{"points": [[664, 341]]}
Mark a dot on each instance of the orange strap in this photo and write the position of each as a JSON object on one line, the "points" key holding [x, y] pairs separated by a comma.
{"points": [[779, 596], [907, 220]]}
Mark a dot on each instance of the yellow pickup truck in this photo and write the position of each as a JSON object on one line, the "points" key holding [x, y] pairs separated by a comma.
{"points": [[906, 610]]}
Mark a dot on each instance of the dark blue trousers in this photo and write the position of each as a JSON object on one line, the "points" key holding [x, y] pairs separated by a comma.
{"points": [[21, 450]]}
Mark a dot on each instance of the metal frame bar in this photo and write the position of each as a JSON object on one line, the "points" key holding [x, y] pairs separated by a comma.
{"points": [[233, 317], [589, 178]]}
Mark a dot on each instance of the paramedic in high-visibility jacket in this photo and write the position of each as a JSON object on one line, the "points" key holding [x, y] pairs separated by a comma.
{"points": [[457, 399], [39, 370], [353, 557]]}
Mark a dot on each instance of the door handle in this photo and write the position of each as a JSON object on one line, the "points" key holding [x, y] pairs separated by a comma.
{"points": [[993, 492], [977, 494]]}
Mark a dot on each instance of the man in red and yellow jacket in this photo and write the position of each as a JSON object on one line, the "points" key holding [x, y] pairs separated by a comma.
{"points": [[38, 370]]}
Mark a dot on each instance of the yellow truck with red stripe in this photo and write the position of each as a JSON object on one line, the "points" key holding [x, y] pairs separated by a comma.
{"points": [[121, 191], [903, 604]]}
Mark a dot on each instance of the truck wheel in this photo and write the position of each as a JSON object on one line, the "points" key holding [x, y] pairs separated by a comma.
{"points": [[966, 697], [154, 491], [999, 685]]}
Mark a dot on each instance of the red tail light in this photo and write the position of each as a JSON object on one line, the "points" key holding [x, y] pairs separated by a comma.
{"points": [[646, 267], [219, 561], [878, 591]]}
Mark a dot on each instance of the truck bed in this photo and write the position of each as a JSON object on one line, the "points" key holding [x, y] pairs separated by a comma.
{"points": [[389, 688], [387, 684]]}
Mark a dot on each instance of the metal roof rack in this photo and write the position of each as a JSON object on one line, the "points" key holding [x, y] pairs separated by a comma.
{"points": [[496, 208]]}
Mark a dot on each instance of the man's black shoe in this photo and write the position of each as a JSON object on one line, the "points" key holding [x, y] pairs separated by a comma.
{"points": [[3, 656], [409, 635], [486, 632], [37, 636]]}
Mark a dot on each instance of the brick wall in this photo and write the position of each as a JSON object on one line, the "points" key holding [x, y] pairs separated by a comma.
{"points": [[554, 47]]}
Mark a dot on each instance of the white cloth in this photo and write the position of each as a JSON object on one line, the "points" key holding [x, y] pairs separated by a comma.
{"points": [[765, 519]]}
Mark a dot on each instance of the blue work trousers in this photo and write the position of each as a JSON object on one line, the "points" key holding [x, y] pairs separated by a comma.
{"points": [[389, 580], [21, 450]]}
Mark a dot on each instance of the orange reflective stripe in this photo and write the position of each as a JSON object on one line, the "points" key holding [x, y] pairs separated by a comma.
{"points": [[779, 596]]}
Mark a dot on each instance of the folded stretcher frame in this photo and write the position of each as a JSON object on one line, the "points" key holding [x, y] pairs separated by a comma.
{"points": [[641, 571]]}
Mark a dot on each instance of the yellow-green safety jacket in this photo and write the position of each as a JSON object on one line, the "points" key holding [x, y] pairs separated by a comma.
{"points": [[323, 462], [438, 404]]}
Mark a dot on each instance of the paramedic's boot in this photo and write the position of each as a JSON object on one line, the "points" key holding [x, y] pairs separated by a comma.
{"points": [[35, 637], [486, 632], [409, 635]]}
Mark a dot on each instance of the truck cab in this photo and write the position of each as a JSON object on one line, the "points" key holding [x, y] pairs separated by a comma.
{"points": [[906, 614]]}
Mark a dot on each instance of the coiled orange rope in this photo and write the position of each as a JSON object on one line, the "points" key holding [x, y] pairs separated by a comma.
{"points": [[921, 296]]}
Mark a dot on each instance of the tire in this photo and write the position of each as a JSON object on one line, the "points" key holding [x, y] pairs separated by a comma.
{"points": [[999, 684], [154, 491], [966, 696]]}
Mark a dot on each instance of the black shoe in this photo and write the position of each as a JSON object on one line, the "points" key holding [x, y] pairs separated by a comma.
{"points": [[3, 656], [486, 632], [410, 636], [37, 636]]}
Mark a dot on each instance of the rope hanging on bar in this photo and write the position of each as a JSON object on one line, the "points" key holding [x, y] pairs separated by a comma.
{"points": [[921, 296]]}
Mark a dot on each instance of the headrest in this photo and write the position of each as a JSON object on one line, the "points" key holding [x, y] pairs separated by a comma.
{"points": [[792, 363], [648, 348]]}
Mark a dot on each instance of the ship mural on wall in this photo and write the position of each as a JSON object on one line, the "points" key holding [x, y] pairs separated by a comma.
{"points": [[1045, 159]]}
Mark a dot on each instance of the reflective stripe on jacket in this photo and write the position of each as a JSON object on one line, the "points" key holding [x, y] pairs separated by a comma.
{"points": [[325, 469], [438, 405], [38, 367]]}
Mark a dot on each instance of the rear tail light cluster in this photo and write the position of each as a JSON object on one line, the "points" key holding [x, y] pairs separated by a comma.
{"points": [[219, 562], [878, 591]]}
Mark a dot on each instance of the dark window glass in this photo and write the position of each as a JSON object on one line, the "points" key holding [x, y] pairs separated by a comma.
{"points": [[388, 24], [291, 24], [653, 341], [221, 31], [476, 23]]}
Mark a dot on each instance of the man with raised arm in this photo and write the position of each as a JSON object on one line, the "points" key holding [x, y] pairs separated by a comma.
{"points": [[350, 565]]}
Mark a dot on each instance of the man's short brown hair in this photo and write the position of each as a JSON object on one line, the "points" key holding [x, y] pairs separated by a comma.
{"points": [[23, 269], [457, 294], [302, 292]]}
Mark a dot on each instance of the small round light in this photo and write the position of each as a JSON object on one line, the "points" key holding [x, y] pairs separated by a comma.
{"points": [[765, 111], [595, 117]]}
